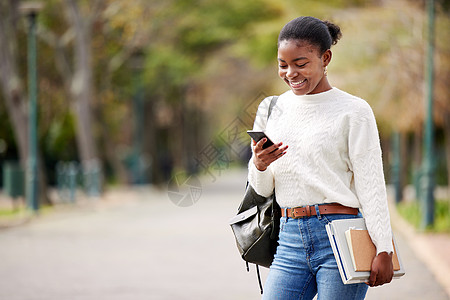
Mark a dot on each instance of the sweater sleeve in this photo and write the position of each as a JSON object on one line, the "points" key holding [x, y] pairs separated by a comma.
{"points": [[365, 157], [261, 181]]}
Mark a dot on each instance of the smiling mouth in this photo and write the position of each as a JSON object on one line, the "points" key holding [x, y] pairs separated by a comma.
{"points": [[297, 84]]}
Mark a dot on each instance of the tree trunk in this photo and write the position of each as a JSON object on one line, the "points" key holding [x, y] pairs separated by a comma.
{"points": [[447, 147], [403, 161], [417, 160], [13, 92], [81, 87], [12, 89]]}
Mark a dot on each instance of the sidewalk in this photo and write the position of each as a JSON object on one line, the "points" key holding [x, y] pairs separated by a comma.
{"points": [[432, 249]]}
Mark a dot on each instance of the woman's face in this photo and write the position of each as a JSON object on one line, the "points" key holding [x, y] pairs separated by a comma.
{"points": [[302, 67]]}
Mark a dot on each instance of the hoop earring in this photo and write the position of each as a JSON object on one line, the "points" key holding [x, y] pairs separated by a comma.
{"points": [[325, 71]]}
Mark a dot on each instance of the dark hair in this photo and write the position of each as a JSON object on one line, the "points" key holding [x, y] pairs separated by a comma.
{"points": [[317, 32]]}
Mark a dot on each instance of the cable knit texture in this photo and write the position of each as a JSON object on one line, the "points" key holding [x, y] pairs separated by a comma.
{"points": [[334, 156]]}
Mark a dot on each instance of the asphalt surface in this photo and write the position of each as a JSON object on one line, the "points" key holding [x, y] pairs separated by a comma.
{"points": [[137, 244]]}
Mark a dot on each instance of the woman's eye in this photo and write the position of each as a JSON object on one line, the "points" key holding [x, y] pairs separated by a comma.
{"points": [[298, 66]]}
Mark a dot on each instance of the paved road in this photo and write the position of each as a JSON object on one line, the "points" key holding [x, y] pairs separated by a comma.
{"points": [[142, 246]]}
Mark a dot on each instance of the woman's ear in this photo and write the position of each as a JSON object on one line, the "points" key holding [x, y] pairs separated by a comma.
{"points": [[326, 57]]}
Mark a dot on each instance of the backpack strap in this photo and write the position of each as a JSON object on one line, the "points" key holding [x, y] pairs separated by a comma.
{"points": [[273, 101]]}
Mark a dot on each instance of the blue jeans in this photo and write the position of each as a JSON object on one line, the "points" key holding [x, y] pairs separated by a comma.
{"points": [[304, 264]]}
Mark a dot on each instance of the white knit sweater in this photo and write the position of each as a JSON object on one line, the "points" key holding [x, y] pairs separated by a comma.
{"points": [[334, 155]]}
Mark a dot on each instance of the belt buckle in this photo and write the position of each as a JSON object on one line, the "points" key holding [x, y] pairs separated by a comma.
{"points": [[304, 210], [293, 213]]}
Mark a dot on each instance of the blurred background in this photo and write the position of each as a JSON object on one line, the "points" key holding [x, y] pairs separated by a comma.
{"points": [[101, 94]]}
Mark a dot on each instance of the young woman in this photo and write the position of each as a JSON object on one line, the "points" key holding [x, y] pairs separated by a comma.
{"points": [[331, 170]]}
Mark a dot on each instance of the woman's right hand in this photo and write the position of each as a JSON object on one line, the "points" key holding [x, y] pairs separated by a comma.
{"points": [[262, 158]]}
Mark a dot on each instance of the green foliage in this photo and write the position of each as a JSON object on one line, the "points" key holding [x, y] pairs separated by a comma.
{"points": [[168, 69], [194, 37], [12, 213], [208, 26], [52, 16], [211, 24], [60, 139], [260, 47], [412, 212]]}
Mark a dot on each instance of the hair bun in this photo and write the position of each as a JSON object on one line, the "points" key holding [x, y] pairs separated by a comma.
{"points": [[334, 30]]}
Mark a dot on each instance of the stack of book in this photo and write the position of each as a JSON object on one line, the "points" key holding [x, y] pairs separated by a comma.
{"points": [[354, 250]]}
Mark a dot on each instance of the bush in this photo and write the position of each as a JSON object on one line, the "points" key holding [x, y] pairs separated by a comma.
{"points": [[412, 212]]}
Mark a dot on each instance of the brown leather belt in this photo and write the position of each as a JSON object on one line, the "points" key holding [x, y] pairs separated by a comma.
{"points": [[324, 209]]}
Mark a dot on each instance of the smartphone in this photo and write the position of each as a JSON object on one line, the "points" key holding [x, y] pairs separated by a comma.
{"points": [[259, 135]]}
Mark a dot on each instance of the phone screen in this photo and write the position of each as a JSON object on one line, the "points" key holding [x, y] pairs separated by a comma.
{"points": [[259, 135]]}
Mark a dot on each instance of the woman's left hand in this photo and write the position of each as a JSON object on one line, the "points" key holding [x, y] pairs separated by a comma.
{"points": [[382, 269]]}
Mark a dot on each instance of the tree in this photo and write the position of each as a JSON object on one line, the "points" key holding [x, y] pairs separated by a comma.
{"points": [[13, 91], [81, 82], [12, 86], [77, 72]]}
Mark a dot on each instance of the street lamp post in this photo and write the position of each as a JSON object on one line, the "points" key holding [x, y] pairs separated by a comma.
{"points": [[428, 162], [396, 167], [138, 167], [31, 9]]}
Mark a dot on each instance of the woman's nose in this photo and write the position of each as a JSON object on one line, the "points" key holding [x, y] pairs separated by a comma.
{"points": [[291, 73]]}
